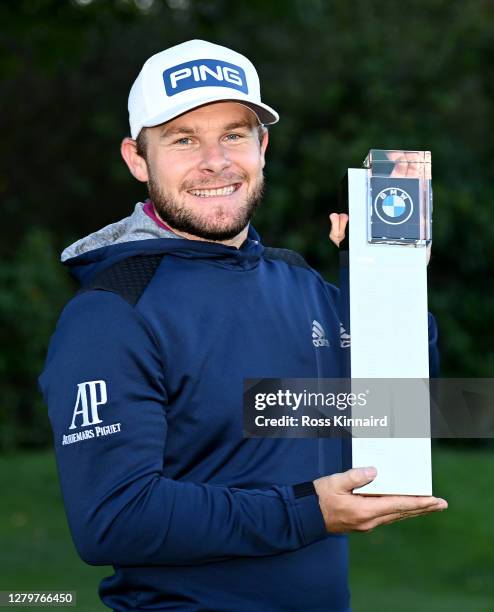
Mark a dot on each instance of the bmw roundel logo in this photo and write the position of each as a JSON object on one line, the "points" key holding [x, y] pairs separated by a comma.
{"points": [[393, 206]]}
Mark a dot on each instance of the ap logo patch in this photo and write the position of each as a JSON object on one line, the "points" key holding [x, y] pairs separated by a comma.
{"points": [[393, 206], [91, 395], [204, 73]]}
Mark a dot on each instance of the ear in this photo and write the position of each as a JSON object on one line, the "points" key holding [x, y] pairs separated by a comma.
{"points": [[136, 164], [264, 145]]}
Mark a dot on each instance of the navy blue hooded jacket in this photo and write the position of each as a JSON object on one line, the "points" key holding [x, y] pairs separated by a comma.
{"points": [[145, 401]]}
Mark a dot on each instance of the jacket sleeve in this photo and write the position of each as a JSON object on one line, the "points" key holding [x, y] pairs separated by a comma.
{"points": [[434, 358], [104, 385]]}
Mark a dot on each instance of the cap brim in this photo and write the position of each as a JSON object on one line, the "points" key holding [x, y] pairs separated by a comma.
{"points": [[265, 114]]}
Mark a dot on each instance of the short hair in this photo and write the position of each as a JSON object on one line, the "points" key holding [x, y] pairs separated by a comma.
{"points": [[141, 143]]}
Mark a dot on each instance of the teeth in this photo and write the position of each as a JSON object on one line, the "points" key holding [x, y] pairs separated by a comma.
{"points": [[209, 193]]}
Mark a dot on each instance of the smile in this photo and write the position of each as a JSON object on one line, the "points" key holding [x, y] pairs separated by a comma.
{"points": [[217, 191]]}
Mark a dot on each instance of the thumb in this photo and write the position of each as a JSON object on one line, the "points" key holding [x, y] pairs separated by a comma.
{"points": [[356, 477]]}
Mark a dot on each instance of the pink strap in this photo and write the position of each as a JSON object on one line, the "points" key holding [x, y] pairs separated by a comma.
{"points": [[148, 208]]}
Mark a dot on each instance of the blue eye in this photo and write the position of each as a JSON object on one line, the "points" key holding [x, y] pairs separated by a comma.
{"points": [[183, 141], [233, 137]]}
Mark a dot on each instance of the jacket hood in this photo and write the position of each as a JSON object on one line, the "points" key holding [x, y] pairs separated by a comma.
{"points": [[138, 234]]}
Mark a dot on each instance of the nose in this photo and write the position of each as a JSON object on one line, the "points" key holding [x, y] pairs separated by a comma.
{"points": [[214, 158]]}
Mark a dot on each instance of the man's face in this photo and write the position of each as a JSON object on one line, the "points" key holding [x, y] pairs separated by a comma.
{"points": [[205, 170]]}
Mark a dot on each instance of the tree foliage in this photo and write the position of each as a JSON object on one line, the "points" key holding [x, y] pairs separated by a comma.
{"points": [[346, 76]]}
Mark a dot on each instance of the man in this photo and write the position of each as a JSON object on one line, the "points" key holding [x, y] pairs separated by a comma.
{"points": [[144, 374]]}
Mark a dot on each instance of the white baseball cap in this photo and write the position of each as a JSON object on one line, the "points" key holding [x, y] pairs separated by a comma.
{"points": [[189, 75]]}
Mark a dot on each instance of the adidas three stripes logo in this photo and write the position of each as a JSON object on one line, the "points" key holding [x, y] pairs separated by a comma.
{"points": [[318, 334]]}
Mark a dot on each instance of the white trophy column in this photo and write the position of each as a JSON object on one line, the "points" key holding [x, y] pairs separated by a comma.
{"points": [[389, 339]]}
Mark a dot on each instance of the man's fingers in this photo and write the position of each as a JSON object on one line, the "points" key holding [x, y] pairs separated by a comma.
{"points": [[401, 516], [395, 155], [402, 505], [400, 163], [408, 164], [334, 219], [338, 226]]}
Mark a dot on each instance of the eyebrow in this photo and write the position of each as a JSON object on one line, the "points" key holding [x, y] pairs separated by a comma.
{"points": [[166, 132], [235, 125], [238, 124]]}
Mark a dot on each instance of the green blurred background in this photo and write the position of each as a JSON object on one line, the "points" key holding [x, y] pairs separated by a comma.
{"points": [[345, 76]]}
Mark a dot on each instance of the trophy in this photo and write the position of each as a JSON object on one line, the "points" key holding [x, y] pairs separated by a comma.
{"points": [[383, 267]]}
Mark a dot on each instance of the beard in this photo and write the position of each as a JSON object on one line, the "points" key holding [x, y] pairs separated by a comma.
{"points": [[180, 217]]}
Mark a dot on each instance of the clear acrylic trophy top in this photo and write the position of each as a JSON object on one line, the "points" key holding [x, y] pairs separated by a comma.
{"points": [[399, 197]]}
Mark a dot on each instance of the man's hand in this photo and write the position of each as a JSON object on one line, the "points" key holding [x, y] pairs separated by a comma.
{"points": [[408, 164], [338, 227], [344, 512]]}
